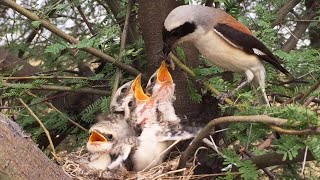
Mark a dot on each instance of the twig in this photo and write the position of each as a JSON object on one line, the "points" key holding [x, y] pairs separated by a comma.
{"points": [[123, 40], [41, 125], [241, 119], [304, 160], [309, 91], [191, 73], [70, 39], [283, 11], [156, 158], [53, 107], [170, 172], [56, 88], [296, 132], [44, 77], [299, 29], [85, 20], [308, 101]]}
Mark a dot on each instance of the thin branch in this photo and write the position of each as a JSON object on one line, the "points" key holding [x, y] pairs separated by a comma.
{"points": [[53, 107], [41, 125], [298, 31], [283, 11], [295, 132], [123, 40], [34, 32], [85, 20], [57, 88], [272, 159], [70, 39], [232, 119], [44, 77], [309, 91]]}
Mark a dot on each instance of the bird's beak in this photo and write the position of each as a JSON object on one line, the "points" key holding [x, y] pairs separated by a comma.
{"points": [[138, 91], [166, 51], [97, 137], [133, 85], [163, 74]]}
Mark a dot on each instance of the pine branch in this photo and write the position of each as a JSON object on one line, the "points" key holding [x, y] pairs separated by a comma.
{"points": [[57, 88], [70, 39]]}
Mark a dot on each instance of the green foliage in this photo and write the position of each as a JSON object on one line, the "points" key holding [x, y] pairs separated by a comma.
{"points": [[246, 168], [289, 146], [194, 95], [101, 105], [54, 56]]}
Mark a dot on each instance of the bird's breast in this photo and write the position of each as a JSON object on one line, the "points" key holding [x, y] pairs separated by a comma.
{"points": [[224, 54]]}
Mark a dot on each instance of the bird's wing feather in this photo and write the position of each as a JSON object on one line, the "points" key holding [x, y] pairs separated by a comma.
{"points": [[240, 37]]}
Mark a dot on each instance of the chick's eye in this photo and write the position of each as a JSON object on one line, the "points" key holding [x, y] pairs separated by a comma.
{"points": [[109, 137], [153, 79], [124, 89], [130, 104]]}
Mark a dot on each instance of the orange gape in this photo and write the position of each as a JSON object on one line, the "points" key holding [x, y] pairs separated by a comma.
{"points": [[138, 91], [163, 74], [97, 137]]}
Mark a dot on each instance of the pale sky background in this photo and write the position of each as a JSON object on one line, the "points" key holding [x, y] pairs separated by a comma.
{"points": [[69, 23]]}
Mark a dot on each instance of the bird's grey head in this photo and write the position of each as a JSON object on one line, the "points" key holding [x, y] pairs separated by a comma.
{"points": [[182, 23]]}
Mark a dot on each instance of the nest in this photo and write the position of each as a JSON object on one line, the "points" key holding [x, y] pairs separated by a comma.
{"points": [[75, 164]]}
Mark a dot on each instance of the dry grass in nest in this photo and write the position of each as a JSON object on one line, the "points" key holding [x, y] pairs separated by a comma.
{"points": [[75, 164]]}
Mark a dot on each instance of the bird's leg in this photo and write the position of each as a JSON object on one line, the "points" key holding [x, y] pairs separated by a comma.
{"points": [[249, 78], [221, 97]]}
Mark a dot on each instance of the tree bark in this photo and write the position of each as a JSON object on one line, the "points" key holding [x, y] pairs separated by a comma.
{"points": [[283, 11], [301, 27], [20, 158], [151, 18]]}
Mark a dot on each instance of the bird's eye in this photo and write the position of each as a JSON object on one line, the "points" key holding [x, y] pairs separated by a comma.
{"points": [[124, 89], [174, 33], [130, 104], [109, 137], [153, 79]]}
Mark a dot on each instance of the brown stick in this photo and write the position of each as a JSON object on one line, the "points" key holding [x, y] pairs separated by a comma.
{"points": [[41, 125], [283, 11], [271, 159], [298, 31], [123, 41], [70, 39], [231, 119], [57, 88]]}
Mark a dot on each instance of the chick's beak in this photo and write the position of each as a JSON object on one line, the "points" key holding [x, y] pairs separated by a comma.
{"points": [[133, 85], [97, 137], [138, 91], [163, 74]]}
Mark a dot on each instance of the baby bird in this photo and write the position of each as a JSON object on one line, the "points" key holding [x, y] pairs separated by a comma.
{"points": [[160, 125], [122, 102], [111, 135]]}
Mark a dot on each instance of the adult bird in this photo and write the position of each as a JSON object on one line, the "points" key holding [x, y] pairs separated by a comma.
{"points": [[223, 40]]}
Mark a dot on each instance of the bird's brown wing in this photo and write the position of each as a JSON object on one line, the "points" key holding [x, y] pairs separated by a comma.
{"points": [[240, 36]]}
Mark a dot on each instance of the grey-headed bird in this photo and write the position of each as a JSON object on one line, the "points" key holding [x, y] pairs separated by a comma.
{"points": [[223, 40]]}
